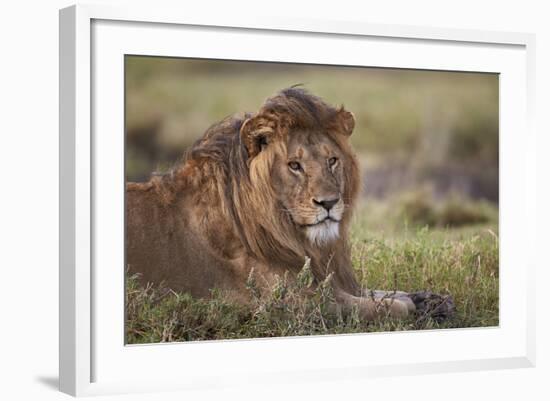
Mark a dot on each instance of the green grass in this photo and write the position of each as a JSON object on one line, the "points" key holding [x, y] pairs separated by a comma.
{"points": [[387, 254], [461, 261]]}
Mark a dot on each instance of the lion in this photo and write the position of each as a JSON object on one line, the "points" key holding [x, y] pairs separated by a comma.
{"points": [[259, 191]]}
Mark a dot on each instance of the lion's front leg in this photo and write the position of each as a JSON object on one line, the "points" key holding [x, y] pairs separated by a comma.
{"points": [[402, 296], [424, 303], [371, 308]]}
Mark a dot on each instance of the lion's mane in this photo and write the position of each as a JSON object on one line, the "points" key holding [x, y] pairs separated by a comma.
{"points": [[233, 196]]}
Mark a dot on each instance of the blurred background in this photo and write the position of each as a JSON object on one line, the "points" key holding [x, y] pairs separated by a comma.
{"points": [[427, 141]]}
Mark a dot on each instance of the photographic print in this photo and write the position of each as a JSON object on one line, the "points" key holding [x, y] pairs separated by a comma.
{"points": [[277, 199]]}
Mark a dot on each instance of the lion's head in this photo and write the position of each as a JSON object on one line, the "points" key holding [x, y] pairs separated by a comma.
{"points": [[299, 144], [286, 177]]}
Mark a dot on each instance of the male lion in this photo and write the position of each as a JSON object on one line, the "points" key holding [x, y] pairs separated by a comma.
{"points": [[259, 191]]}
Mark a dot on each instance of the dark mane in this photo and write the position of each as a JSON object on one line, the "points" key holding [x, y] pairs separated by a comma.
{"points": [[218, 140], [302, 109], [292, 108]]}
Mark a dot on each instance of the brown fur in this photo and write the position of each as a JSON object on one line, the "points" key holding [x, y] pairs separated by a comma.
{"points": [[232, 204]]}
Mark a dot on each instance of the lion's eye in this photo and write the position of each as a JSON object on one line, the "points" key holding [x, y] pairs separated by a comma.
{"points": [[295, 166], [332, 161], [263, 142]]}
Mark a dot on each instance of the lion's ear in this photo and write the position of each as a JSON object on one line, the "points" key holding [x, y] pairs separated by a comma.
{"points": [[345, 122], [255, 133]]}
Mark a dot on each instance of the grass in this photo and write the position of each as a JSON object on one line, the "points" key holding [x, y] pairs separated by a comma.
{"points": [[421, 208], [387, 254]]}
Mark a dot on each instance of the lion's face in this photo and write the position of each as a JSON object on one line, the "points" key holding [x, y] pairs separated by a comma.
{"points": [[300, 164], [309, 183]]}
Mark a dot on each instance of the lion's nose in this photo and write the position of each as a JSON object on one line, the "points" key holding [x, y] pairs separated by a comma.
{"points": [[326, 203]]}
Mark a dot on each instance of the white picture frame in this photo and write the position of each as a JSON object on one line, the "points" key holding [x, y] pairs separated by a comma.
{"points": [[92, 355]]}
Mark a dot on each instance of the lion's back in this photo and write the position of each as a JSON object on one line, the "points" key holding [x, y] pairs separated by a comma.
{"points": [[164, 246]]}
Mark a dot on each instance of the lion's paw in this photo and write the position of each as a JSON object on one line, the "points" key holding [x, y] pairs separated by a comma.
{"points": [[435, 306], [393, 307]]}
